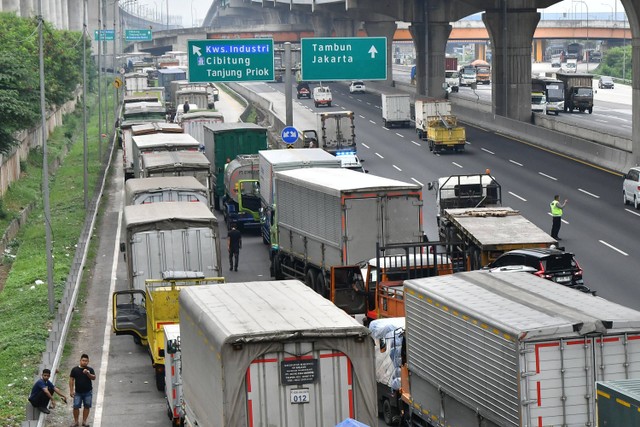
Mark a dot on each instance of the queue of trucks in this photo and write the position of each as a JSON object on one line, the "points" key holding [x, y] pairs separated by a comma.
{"points": [[289, 352]]}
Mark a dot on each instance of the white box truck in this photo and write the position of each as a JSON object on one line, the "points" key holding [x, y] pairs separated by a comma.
{"points": [[272, 353], [511, 349], [169, 236], [396, 109], [272, 161]]}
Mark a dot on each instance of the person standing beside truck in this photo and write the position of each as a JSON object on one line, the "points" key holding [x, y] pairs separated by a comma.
{"points": [[186, 107], [81, 389], [43, 391], [234, 242], [556, 214]]}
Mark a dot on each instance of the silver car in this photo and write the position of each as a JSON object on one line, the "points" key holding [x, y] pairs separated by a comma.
{"points": [[631, 187]]}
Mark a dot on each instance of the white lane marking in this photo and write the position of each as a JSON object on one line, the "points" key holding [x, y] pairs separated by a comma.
{"points": [[417, 182], [456, 164], [547, 176], [590, 194], [364, 145], [361, 116], [416, 143], [378, 154], [397, 168], [518, 197], [613, 247], [516, 163], [630, 211], [487, 151], [563, 220], [400, 135], [104, 360], [385, 128], [359, 100], [371, 121]]}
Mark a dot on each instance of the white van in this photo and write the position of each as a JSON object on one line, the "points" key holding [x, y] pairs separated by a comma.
{"points": [[538, 103], [322, 96]]}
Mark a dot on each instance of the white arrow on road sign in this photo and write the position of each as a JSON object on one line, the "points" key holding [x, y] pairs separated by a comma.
{"points": [[196, 50], [373, 51]]}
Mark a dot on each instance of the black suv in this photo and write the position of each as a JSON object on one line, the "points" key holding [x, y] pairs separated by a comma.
{"points": [[551, 264], [303, 90]]}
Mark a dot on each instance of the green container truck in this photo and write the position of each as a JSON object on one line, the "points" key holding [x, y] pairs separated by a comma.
{"points": [[618, 403], [223, 142]]}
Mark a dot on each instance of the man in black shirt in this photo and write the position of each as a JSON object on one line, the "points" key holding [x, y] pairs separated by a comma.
{"points": [[234, 243], [81, 389]]}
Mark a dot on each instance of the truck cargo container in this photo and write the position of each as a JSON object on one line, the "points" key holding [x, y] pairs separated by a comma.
{"points": [[436, 125], [578, 93], [160, 142], [335, 131], [396, 109], [241, 204], [173, 374], [165, 189], [178, 164], [488, 232], [272, 161], [140, 120], [144, 313], [331, 218], [483, 71], [223, 142], [135, 82], [194, 122], [451, 63], [510, 349], [272, 354], [167, 75], [618, 402], [176, 236]]}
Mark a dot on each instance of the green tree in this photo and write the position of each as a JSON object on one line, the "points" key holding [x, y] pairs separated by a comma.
{"points": [[615, 61]]}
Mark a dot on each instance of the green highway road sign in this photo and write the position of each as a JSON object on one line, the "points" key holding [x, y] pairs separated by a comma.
{"points": [[343, 58], [237, 60], [104, 35], [137, 35]]}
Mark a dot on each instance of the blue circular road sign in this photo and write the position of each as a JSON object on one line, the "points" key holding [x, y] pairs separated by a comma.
{"points": [[289, 135]]}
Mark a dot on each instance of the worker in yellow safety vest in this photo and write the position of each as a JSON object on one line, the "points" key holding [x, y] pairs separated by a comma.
{"points": [[556, 214]]}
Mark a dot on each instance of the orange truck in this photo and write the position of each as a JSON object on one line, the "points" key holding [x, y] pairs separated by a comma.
{"points": [[483, 71]]}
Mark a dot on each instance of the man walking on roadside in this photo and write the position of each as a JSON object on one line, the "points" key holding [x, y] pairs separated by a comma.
{"points": [[81, 389], [234, 243], [556, 214], [43, 391]]}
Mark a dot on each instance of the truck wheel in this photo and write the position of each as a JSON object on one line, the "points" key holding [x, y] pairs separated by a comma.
{"points": [[160, 380], [310, 279], [329, 104], [430, 146], [384, 122], [557, 113], [387, 412], [581, 110], [590, 110], [316, 104], [276, 268], [321, 286]]}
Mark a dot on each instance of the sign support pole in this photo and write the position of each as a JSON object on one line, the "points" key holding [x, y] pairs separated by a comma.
{"points": [[287, 85]]}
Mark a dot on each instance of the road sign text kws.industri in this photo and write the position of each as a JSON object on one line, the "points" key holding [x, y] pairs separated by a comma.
{"points": [[243, 61]]}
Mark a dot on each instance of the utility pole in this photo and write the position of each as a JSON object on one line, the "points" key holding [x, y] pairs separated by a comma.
{"points": [[84, 105], [45, 165], [99, 82]]}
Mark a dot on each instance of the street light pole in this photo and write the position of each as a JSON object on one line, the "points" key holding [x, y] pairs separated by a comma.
{"points": [[587, 7]]}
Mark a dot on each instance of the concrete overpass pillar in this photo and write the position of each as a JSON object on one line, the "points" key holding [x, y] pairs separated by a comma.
{"points": [[271, 16], [418, 33], [384, 29], [322, 24], [511, 33], [635, 100], [430, 42], [345, 27], [27, 8], [64, 15], [75, 19]]}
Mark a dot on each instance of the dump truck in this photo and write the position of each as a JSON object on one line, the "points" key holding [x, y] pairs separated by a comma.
{"points": [[436, 125], [143, 313], [578, 92], [165, 189], [483, 71], [223, 142], [160, 142], [486, 233], [396, 109], [141, 128], [272, 353], [335, 132], [169, 236], [241, 204], [272, 161], [178, 164], [510, 349], [326, 227]]}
